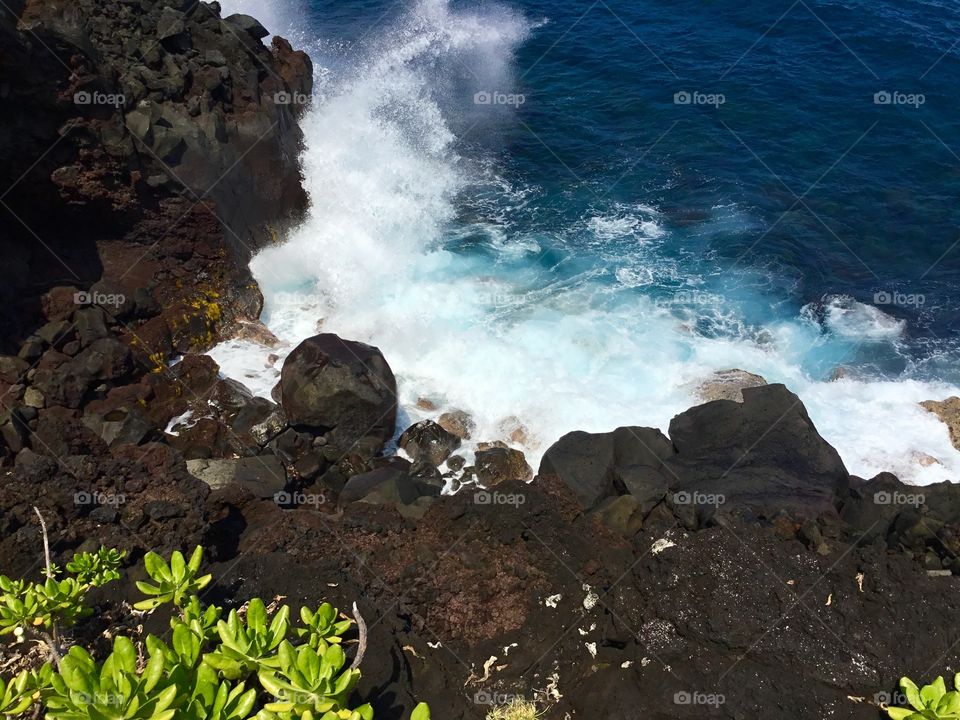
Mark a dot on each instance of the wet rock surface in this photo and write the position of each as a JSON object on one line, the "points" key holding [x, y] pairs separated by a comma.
{"points": [[342, 388], [728, 385], [949, 412]]}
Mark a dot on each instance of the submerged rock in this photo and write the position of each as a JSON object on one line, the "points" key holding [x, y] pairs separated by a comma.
{"points": [[457, 422], [949, 412], [728, 385]]}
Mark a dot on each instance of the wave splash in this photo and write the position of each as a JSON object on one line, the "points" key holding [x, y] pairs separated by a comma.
{"points": [[469, 313]]}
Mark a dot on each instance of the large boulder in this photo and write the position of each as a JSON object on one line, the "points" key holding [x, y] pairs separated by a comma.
{"points": [[342, 388], [764, 453], [600, 465]]}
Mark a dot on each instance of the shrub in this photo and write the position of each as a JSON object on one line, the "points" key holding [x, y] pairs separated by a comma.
{"points": [[31, 610], [931, 702], [247, 667]]}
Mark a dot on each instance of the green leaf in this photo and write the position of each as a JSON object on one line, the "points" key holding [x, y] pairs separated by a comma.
{"points": [[912, 693], [156, 567], [931, 694], [949, 704], [195, 559], [257, 615], [900, 713], [421, 712], [178, 566]]}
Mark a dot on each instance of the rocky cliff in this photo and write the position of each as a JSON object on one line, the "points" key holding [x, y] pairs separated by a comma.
{"points": [[143, 142]]}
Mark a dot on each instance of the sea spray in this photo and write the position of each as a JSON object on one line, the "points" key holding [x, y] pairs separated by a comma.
{"points": [[421, 242]]}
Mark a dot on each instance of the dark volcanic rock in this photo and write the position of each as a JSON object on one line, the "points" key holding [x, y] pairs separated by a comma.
{"points": [[262, 475], [121, 151], [498, 464], [428, 442], [720, 611], [763, 453], [395, 488], [594, 465], [343, 388]]}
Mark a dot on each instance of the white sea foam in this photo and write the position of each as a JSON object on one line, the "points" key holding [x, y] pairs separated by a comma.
{"points": [[492, 332]]}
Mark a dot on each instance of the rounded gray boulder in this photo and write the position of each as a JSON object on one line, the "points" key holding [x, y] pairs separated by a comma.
{"points": [[343, 389]]}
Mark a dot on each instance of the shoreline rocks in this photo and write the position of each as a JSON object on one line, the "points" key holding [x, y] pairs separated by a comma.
{"points": [[343, 390], [728, 385], [949, 413]]}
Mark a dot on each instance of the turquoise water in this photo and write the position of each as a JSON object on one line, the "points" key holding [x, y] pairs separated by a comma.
{"points": [[564, 215]]}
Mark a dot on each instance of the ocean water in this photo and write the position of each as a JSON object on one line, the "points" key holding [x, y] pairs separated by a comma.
{"points": [[564, 215]]}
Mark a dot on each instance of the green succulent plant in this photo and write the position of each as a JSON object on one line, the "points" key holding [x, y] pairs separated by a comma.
{"points": [[202, 620], [45, 605], [61, 600], [16, 696], [39, 606], [321, 628], [309, 679], [203, 674], [364, 712], [172, 583], [19, 607], [246, 646], [96, 569], [213, 699], [115, 691], [930, 702]]}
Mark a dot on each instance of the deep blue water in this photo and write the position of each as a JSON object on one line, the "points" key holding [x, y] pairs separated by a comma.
{"points": [[798, 186]]}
